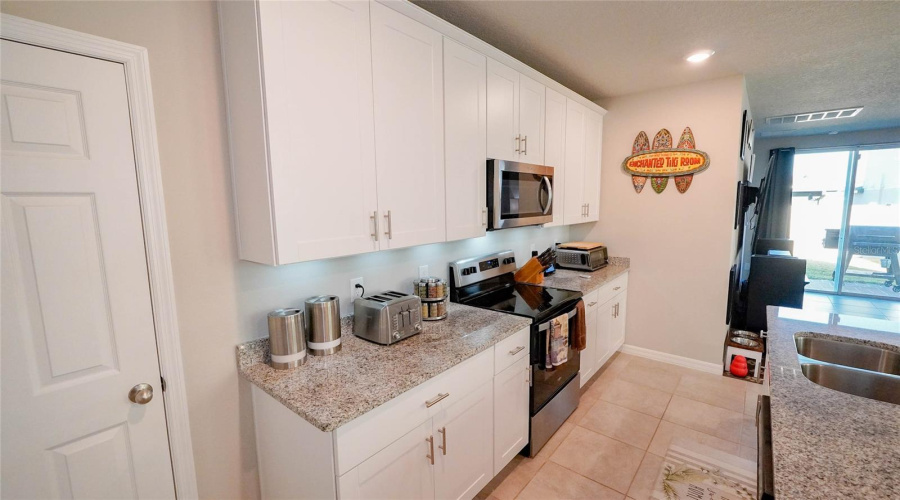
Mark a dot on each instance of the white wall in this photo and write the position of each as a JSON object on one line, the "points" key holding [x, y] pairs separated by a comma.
{"points": [[222, 301], [680, 245]]}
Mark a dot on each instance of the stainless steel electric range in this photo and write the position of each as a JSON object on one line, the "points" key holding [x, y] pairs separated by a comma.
{"points": [[488, 282]]}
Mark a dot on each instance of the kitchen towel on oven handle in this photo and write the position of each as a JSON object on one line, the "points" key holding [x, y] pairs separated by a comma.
{"points": [[578, 331], [557, 341]]}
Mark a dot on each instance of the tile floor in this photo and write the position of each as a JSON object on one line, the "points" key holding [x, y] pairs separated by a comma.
{"points": [[613, 445], [858, 306]]}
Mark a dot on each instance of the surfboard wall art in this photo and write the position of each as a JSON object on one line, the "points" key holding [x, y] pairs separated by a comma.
{"points": [[660, 161]]}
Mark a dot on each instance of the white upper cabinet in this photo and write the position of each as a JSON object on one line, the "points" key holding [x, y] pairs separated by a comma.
{"points": [[465, 140], [502, 112], [407, 68], [515, 115], [302, 142], [555, 150], [584, 129]]}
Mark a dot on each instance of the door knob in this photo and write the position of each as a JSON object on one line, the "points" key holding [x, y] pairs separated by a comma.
{"points": [[141, 394]]}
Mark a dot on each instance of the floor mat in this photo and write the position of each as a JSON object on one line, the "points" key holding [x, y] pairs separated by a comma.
{"points": [[702, 473]]}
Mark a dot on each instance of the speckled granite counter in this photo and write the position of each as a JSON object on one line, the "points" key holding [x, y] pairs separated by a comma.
{"points": [[568, 279], [332, 390], [828, 444]]}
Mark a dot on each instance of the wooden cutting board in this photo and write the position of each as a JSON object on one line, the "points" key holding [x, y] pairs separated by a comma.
{"points": [[581, 245]]}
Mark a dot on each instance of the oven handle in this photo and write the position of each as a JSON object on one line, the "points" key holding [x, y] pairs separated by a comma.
{"points": [[546, 182], [543, 327]]}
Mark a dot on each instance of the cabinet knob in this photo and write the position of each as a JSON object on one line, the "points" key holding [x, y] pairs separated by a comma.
{"points": [[141, 394]]}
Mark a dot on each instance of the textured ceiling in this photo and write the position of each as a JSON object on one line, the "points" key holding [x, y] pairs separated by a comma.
{"points": [[797, 56]]}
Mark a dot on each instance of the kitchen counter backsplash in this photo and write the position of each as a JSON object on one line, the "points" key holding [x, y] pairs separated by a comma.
{"points": [[329, 391], [570, 279]]}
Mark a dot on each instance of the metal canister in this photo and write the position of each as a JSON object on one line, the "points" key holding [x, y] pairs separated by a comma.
{"points": [[323, 316], [287, 339]]}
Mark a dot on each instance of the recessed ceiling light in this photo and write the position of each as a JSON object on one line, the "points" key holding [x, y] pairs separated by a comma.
{"points": [[700, 56]]}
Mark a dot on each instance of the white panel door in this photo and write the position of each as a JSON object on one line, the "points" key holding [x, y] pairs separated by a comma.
{"points": [[463, 445], [593, 131], [465, 140], [576, 116], [510, 412], [605, 329], [589, 354], [555, 150], [318, 89], [76, 315], [531, 121], [502, 112], [409, 129], [399, 471]]}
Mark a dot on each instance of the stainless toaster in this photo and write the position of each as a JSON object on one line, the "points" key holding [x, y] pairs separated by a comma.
{"points": [[582, 258], [387, 317]]}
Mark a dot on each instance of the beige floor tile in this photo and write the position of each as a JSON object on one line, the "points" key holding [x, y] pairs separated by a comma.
{"points": [[706, 418], [637, 397], [615, 364], [661, 376], [512, 479], [668, 433], [748, 453], [645, 480], [749, 435], [597, 386], [595, 456], [750, 403], [557, 482], [580, 412], [555, 441], [716, 390], [620, 423]]}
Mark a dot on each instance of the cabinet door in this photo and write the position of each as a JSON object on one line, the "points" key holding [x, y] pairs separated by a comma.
{"points": [[575, 149], [401, 470], [593, 131], [531, 120], [589, 354], [318, 90], [409, 129], [555, 150], [618, 330], [502, 112], [465, 140], [605, 328], [463, 445], [510, 412]]}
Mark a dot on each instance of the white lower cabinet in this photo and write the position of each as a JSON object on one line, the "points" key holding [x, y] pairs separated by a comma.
{"points": [[605, 316], [510, 412], [462, 437]]}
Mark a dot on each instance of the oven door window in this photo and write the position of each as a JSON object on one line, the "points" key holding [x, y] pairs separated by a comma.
{"points": [[546, 383], [522, 195]]}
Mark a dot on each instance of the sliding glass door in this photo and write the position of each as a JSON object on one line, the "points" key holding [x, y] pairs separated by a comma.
{"points": [[845, 219]]}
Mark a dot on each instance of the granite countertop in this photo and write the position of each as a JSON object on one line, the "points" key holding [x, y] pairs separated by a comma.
{"points": [[569, 279], [828, 444], [330, 391]]}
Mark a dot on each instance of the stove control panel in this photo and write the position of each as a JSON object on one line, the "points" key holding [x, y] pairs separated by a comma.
{"points": [[468, 271]]}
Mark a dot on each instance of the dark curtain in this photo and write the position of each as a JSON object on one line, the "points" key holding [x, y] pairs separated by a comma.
{"points": [[774, 207]]}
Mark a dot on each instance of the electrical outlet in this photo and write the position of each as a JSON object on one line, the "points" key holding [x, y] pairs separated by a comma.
{"points": [[423, 271], [355, 291]]}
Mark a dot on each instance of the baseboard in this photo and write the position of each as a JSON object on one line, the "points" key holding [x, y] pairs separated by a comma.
{"points": [[672, 359]]}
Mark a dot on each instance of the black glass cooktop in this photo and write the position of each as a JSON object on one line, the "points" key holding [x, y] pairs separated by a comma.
{"points": [[532, 301]]}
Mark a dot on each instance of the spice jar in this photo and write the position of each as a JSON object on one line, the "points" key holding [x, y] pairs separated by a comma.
{"points": [[432, 288]]}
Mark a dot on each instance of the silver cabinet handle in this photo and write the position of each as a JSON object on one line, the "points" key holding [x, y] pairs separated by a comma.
{"points": [[430, 454], [435, 400], [517, 350], [484, 216], [592, 304], [141, 394], [518, 147], [617, 288], [528, 375], [374, 218], [443, 445], [389, 233], [525, 147]]}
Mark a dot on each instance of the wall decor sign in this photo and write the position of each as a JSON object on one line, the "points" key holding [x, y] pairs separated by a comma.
{"points": [[659, 161]]}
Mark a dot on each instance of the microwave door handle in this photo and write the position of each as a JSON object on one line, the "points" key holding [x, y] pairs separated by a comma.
{"points": [[546, 182]]}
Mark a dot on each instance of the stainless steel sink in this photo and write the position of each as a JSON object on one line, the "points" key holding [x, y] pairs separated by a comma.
{"points": [[864, 383], [857, 369], [848, 354]]}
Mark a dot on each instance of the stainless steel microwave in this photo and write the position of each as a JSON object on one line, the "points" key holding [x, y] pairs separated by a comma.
{"points": [[518, 194]]}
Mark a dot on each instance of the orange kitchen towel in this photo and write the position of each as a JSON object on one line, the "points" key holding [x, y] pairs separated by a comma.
{"points": [[579, 328]]}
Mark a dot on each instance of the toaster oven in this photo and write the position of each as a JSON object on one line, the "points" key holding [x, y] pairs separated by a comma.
{"points": [[584, 259]]}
